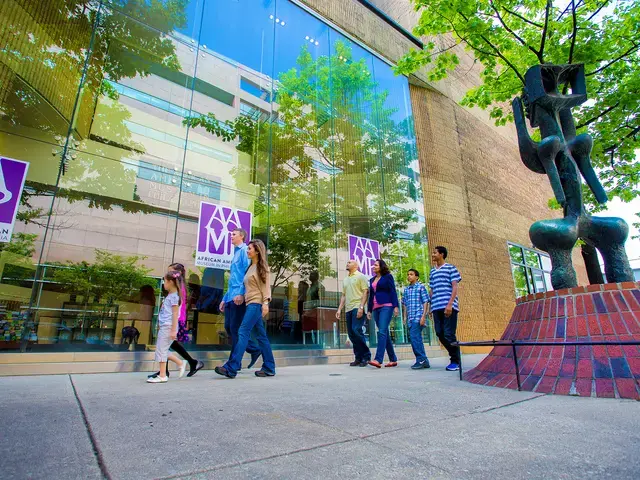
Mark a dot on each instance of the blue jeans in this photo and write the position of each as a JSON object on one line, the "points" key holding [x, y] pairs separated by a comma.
{"points": [[356, 335], [252, 319], [382, 316], [415, 335], [233, 315]]}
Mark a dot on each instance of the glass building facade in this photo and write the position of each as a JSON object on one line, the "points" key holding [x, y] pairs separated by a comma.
{"points": [[130, 113]]}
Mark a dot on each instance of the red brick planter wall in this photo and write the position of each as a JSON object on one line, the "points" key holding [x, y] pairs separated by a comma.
{"points": [[608, 312]]}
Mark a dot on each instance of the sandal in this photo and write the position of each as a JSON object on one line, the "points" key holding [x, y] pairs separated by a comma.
{"points": [[193, 371], [392, 364]]}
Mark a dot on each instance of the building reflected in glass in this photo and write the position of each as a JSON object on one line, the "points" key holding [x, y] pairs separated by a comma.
{"points": [[131, 113]]}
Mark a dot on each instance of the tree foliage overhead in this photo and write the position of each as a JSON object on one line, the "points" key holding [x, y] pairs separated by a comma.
{"points": [[509, 36], [333, 160]]}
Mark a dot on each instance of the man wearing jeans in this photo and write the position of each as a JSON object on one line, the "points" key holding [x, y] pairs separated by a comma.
{"points": [[232, 303], [355, 292], [415, 299], [443, 283]]}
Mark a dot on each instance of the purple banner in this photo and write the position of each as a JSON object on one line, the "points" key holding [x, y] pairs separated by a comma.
{"points": [[216, 222], [13, 174], [365, 251]]}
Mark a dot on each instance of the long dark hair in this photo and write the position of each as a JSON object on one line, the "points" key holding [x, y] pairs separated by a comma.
{"points": [[182, 288], [384, 268], [178, 279], [262, 265]]}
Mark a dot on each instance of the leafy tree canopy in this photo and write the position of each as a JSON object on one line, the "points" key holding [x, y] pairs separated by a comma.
{"points": [[509, 36], [334, 156], [110, 278]]}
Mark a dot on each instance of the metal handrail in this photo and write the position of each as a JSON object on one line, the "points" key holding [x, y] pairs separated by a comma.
{"points": [[516, 343]]}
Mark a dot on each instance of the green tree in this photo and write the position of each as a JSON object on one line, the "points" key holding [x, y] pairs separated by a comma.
{"points": [[405, 254], [55, 39], [110, 278], [509, 36], [332, 158], [21, 244]]}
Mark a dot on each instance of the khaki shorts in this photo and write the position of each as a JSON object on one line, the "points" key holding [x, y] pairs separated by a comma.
{"points": [[163, 343]]}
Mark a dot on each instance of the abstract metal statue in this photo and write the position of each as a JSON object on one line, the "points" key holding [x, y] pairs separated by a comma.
{"points": [[563, 156]]}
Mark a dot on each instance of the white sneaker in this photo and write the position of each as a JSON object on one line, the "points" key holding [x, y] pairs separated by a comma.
{"points": [[183, 368], [158, 379]]}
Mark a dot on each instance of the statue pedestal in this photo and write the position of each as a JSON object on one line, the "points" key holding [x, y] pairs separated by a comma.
{"points": [[609, 312]]}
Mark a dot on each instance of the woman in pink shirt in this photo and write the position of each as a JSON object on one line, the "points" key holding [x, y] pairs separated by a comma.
{"points": [[383, 304]]}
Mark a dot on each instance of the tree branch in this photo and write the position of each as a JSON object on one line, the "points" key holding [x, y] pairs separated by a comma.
{"points": [[464, 39], [574, 7], [286, 280], [545, 30], [498, 53], [444, 50], [514, 34], [618, 58], [280, 271], [574, 32], [611, 150], [593, 119], [630, 134], [526, 20], [604, 4]]}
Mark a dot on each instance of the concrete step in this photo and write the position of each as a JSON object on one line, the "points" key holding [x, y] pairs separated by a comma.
{"points": [[143, 361]]}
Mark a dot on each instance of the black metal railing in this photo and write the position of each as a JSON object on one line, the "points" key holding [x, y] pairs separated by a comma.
{"points": [[514, 344]]}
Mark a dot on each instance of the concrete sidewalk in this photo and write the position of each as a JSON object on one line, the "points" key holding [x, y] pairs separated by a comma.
{"points": [[313, 422]]}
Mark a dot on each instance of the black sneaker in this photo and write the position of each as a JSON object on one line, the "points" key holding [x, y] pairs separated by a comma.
{"points": [[364, 364], [194, 370], [355, 363], [420, 365], [154, 375]]}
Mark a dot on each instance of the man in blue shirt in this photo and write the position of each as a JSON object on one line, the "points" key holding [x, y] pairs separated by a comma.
{"points": [[414, 300], [443, 283], [232, 303]]}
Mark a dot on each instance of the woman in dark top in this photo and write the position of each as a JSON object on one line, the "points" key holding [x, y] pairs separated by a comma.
{"points": [[383, 304]]}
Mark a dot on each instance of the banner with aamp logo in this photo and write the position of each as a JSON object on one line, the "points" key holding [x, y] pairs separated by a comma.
{"points": [[216, 222], [366, 251], [13, 174]]}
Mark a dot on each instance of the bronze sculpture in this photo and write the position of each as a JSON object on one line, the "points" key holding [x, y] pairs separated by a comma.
{"points": [[562, 156]]}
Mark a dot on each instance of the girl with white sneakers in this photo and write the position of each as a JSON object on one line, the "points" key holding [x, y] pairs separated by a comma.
{"points": [[168, 327]]}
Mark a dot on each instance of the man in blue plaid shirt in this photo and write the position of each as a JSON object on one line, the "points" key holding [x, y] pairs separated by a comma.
{"points": [[414, 301]]}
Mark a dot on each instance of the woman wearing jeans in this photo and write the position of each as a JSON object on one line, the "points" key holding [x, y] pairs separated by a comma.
{"points": [[383, 302], [257, 297]]}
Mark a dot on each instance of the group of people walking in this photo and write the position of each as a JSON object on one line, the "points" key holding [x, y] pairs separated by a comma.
{"points": [[380, 295], [244, 305], [247, 299]]}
